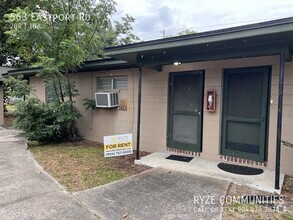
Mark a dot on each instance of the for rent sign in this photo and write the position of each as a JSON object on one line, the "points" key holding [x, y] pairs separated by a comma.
{"points": [[117, 145]]}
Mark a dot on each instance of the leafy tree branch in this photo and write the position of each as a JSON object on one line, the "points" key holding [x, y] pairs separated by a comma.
{"points": [[58, 36]]}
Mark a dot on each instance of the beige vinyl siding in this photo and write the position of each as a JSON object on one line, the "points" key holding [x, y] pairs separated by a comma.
{"points": [[94, 124], [39, 89], [154, 110], [287, 129]]}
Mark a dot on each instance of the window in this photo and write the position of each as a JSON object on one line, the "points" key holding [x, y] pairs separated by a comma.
{"points": [[49, 93], [110, 83]]}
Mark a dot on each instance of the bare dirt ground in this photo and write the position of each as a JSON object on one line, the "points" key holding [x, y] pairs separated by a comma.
{"points": [[8, 120], [281, 209]]}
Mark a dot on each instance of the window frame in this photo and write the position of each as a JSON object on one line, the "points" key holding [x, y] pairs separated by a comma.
{"points": [[112, 78]]}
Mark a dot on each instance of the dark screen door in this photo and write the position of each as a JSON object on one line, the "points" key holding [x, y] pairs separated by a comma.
{"points": [[245, 104], [185, 111]]}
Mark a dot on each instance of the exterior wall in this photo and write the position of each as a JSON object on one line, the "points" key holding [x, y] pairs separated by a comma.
{"points": [[287, 128], [94, 124], [1, 106], [39, 90], [212, 121]]}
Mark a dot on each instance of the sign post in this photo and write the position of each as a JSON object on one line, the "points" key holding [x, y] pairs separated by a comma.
{"points": [[118, 145]]}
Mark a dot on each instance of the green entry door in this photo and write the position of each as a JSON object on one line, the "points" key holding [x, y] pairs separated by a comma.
{"points": [[185, 111], [245, 106]]}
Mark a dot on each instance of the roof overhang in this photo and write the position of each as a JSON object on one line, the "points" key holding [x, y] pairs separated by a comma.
{"points": [[262, 39], [104, 64], [24, 72], [94, 65]]}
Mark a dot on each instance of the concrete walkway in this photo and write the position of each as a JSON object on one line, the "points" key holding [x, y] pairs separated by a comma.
{"points": [[158, 194], [26, 191]]}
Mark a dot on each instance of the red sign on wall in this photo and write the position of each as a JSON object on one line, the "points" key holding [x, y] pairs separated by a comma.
{"points": [[211, 101]]}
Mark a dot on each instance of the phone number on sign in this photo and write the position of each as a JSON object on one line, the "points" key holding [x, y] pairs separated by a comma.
{"points": [[115, 153], [256, 209]]}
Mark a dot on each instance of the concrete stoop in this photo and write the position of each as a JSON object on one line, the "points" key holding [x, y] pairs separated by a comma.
{"points": [[198, 166]]}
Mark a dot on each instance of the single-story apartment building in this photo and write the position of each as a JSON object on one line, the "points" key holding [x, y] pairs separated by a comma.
{"points": [[218, 95]]}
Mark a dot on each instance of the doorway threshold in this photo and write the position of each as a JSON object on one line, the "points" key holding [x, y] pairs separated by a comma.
{"points": [[264, 181]]}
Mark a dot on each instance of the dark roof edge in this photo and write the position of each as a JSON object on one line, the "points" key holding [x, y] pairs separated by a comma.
{"points": [[23, 71], [102, 62], [105, 64], [204, 34], [87, 66]]}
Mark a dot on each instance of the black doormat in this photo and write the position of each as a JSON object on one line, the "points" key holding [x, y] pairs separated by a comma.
{"points": [[179, 158], [242, 170]]}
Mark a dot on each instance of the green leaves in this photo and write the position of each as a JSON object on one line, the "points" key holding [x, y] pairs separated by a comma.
{"points": [[45, 122], [7, 51], [58, 36], [38, 121], [64, 29], [17, 86], [124, 29], [71, 54], [89, 103]]}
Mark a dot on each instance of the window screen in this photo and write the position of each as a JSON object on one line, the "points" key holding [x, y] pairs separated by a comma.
{"points": [[243, 137], [109, 83], [245, 95], [185, 129], [105, 83], [49, 93], [186, 95]]}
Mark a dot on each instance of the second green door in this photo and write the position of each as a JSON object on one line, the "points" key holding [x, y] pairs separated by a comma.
{"points": [[245, 113]]}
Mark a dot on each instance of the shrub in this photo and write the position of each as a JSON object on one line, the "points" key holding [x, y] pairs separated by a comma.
{"points": [[45, 122]]}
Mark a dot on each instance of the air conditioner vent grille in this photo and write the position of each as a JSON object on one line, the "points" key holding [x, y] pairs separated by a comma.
{"points": [[106, 99]]}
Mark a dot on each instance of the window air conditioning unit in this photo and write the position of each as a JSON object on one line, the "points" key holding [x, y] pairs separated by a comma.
{"points": [[106, 99]]}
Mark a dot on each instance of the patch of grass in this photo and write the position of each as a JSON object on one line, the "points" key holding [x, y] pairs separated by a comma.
{"points": [[283, 216], [287, 216], [10, 108], [81, 165]]}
